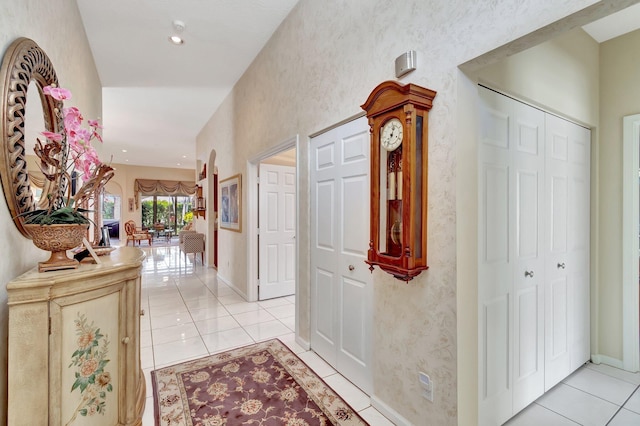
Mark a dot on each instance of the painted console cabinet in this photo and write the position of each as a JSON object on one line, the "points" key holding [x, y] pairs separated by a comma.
{"points": [[74, 341]]}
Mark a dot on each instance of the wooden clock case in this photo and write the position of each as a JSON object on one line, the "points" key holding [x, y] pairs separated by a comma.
{"points": [[398, 243]]}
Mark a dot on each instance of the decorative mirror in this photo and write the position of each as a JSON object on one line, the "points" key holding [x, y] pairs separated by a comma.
{"points": [[24, 62]]}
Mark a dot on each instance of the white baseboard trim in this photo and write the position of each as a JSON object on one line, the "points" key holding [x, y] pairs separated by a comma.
{"points": [[603, 359], [305, 344], [389, 412], [233, 287]]}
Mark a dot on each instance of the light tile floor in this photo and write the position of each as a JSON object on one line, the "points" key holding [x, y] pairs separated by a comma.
{"points": [[595, 395], [190, 314]]}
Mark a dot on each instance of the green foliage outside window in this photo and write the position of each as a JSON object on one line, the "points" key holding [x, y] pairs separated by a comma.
{"points": [[170, 211]]}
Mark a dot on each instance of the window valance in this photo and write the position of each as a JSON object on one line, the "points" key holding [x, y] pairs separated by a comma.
{"points": [[162, 187]]}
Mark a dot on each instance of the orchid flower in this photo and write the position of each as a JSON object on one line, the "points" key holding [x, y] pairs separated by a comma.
{"points": [[71, 148]]}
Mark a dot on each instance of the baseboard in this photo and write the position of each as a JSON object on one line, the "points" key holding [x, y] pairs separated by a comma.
{"points": [[233, 287], [305, 344], [389, 412], [603, 359]]}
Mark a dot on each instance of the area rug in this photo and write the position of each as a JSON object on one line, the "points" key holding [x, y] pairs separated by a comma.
{"points": [[262, 384]]}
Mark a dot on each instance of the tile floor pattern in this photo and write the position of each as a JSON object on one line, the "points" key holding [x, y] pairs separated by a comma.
{"points": [[189, 314], [595, 395]]}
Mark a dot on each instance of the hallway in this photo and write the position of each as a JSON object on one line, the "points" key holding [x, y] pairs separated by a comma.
{"points": [[189, 314]]}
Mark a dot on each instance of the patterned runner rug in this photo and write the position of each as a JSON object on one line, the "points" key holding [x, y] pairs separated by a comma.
{"points": [[263, 384]]}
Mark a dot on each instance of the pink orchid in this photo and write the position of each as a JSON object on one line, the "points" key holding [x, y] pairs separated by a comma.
{"points": [[57, 137], [72, 117], [75, 140], [57, 93], [94, 124]]}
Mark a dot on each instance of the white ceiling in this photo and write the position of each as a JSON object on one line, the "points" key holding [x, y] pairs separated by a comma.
{"points": [[615, 25], [158, 96]]}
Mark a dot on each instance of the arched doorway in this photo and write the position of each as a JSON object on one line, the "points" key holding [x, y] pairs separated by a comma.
{"points": [[212, 223]]}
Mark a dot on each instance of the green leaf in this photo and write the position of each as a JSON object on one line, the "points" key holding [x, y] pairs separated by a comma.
{"points": [[109, 387], [83, 412]]}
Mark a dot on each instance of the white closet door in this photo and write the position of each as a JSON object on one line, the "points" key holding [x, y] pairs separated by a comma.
{"points": [[341, 283], [528, 243], [533, 292], [579, 243], [567, 241], [511, 267]]}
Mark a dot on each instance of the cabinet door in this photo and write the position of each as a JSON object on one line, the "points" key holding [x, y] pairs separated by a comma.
{"points": [[88, 337]]}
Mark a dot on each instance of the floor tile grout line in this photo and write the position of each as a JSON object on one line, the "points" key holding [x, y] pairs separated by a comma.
{"points": [[622, 406], [559, 414], [596, 396]]}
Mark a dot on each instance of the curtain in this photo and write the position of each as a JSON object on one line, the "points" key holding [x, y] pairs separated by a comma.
{"points": [[161, 187]]}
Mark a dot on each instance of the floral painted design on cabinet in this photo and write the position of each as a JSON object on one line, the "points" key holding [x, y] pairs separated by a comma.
{"points": [[89, 361]]}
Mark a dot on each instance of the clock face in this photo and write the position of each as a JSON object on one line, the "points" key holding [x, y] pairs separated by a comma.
{"points": [[391, 134]]}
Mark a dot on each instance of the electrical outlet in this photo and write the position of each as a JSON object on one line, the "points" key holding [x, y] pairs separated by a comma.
{"points": [[427, 386]]}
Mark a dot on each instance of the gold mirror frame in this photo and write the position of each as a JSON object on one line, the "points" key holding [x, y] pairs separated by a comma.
{"points": [[23, 62]]}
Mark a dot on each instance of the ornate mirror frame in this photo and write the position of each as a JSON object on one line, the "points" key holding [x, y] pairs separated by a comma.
{"points": [[23, 62]]}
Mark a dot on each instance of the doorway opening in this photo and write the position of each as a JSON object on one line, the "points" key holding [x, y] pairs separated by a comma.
{"points": [[284, 154], [631, 243]]}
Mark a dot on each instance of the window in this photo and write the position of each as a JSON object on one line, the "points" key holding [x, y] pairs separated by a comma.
{"points": [[173, 212]]}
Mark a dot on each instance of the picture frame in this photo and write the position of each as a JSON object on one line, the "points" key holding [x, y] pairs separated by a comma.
{"points": [[131, 201], [231, 203]]}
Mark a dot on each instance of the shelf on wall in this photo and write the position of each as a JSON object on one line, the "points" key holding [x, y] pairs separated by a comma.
{"points": [[199, 203]]}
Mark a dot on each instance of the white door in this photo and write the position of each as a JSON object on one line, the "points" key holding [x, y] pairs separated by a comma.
{"points": [[567, 241], [511, 256], [277, 224], [341, 283]]}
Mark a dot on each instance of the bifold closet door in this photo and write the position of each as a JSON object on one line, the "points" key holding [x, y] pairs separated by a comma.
{"points": [[511, 256], [567, 174]]}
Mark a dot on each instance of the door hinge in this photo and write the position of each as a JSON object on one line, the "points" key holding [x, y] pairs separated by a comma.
{"points": [[49, 325]]}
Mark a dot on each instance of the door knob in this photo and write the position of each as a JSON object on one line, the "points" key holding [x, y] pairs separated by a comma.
{"points": [[528, 274], [561, 265], [351, 267]]}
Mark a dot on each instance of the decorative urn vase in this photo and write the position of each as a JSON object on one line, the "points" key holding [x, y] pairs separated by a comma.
{"points": [[57, 239]]}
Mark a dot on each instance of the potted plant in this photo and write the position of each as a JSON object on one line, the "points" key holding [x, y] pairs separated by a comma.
{"points": [[63, 223]]}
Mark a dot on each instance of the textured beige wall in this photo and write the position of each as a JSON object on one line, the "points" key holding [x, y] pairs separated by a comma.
{"points": [[55, 25], [316, 70], [561, 75], [620, 96]]}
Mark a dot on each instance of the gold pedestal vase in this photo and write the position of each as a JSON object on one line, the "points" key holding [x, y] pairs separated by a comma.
{"points": [[57, 239]]}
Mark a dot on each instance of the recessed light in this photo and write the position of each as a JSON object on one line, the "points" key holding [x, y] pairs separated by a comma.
{"points": [[184, 156], [124, 150], [177, 164], [178, 28]]}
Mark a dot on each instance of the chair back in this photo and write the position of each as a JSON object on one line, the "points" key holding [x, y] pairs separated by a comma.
{"points": [[193, 242], [130, 227]]}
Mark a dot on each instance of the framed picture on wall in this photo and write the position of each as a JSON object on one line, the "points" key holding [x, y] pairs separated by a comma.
{"points": [[231, 203]]}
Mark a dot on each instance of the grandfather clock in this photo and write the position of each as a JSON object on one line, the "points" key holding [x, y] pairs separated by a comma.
{"points": [[398, 120]]}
